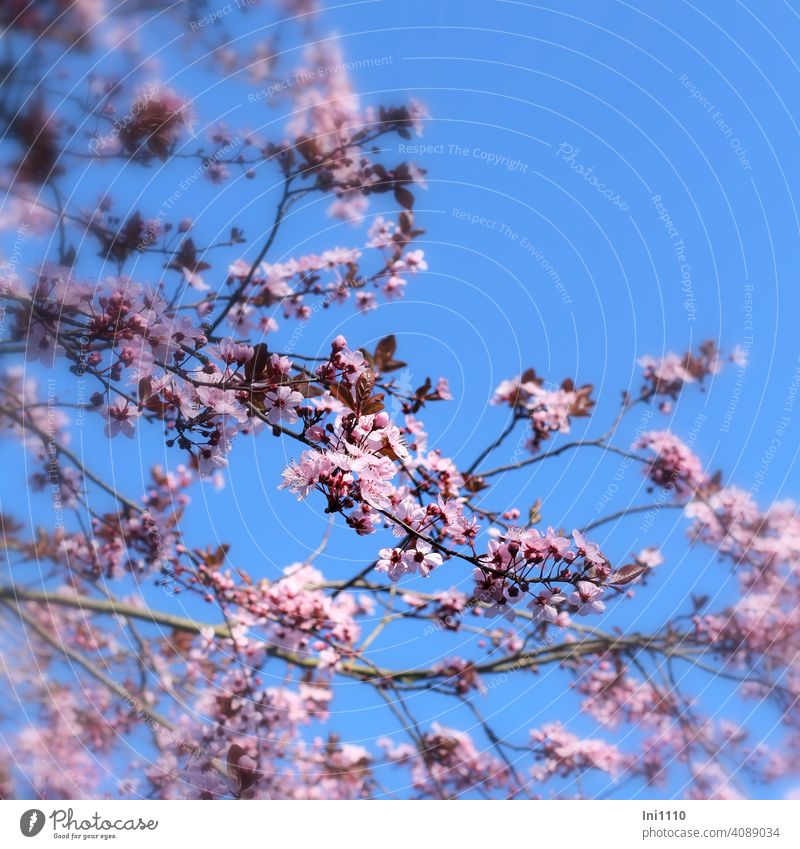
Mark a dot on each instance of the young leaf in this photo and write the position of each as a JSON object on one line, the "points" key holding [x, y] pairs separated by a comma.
{"points": [[364, 386], [257, 364], [627, 574], [341, 393]]}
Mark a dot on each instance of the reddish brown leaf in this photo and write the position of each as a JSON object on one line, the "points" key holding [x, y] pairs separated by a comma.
{"points": [[423, 390], [158, 147], [235, 754], [308, 390], [475, 483], [307, 148], [627, 574], [374, 405], [341, 393], [364, 386], [404, 197], [385, 349], [368, 357], [244, 778], [256, 366], [383, 358], [145, 389]]}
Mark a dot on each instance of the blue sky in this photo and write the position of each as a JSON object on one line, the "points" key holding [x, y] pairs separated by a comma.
{"points": [[686, 111]]}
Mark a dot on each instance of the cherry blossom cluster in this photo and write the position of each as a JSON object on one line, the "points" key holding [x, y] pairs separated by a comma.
{"points": [[292, 613], [448, 763], [549, 410], [675, 466], [331, 131], [125, 333], [138, 541], [43, 426], [78, 23], [668, 374], [613, 697], [158, 118], [257, 731], [329, 279], [527, 562], [562, 753]]}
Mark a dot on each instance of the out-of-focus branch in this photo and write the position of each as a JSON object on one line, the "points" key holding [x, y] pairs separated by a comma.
{"points": [[597, 643], [92, 668], [61, 449]]}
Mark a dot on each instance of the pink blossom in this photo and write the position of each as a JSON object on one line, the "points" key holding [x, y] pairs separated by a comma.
{"points": [[544, 605], [422, 558], [443, 389], [281, 405], [563, 753], [303, 476], [650, 557], [121, 417], [157, 119], [740, 356], [230, 351], [675, 465], [394, 287], [590, 551], [586, 598], [392, 561]]}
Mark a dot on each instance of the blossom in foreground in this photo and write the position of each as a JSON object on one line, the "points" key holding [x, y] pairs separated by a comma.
{"points": [[392, 561], [121, 416], [423, 558], [281, 405], [545, 605], [586, 598]]}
